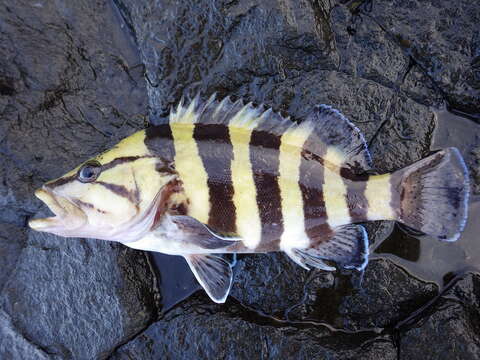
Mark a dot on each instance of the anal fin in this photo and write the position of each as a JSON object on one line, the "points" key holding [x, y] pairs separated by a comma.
{"points": [[213, 273], [348, 247]]}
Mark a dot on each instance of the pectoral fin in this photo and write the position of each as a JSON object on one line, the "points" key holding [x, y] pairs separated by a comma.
{"points": [[177, 235], [213, 273], [191, 231]]}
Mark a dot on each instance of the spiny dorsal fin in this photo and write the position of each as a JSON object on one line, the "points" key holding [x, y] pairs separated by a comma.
{"points": [[227, 112], [332, 131]]}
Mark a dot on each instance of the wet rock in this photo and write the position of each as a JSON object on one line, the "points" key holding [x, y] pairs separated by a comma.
{"points": [[230, 47], [13, 345], [71, 85], [475, 169], [364, 49], [441, 40], [75, 91], [63, 293], [199, 330], [175, 280], [68, 90], [262, 282], [380, 298], [453, 326], [12, 240], [387, 293], [427, 50]]}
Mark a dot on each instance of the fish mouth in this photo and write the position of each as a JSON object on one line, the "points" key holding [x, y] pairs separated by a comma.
{"points": [[68, 216]]}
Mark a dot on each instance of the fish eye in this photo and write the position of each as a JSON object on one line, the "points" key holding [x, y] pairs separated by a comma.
{"points": [[89, 171]]}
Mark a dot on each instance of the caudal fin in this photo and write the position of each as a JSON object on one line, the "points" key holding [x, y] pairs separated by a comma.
{"points": [[433, 195]]}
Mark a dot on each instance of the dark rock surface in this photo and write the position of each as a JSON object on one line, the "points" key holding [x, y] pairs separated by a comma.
{"points": [[72, 84], [452, 330], [233, 332], [66, 92]]}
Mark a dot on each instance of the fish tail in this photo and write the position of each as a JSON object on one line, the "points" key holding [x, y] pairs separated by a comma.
{"points": [[432, 195]]}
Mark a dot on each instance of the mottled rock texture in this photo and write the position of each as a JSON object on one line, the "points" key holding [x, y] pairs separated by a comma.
{"points": [[68, 89], [77, 76]]}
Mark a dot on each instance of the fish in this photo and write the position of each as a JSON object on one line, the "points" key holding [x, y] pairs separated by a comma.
{"points": [[228, 177]]}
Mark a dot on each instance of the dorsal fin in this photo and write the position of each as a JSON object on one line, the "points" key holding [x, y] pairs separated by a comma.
{"points": [[227, 112], [336, 134], [331, 131]]}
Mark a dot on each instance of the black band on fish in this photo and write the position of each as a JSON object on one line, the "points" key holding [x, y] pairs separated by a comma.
{"points": [[264, 157], [61, 181], [121, 190], [123, 160], [159, 141], [216, 152], [356, 200], [314, 207]]}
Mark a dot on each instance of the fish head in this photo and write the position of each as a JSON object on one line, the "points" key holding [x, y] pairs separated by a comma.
{"points": [[114, 196]]}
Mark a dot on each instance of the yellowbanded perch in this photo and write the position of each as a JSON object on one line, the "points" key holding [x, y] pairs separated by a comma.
{"points": [[224, 177]]}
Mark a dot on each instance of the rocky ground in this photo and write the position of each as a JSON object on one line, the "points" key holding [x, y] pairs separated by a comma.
{"points": [[75, 77]]}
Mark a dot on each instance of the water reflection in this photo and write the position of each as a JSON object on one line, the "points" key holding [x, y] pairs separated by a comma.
{"points": [[175, 280], [401, 244]]}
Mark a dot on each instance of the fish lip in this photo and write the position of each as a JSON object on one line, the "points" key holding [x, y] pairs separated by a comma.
{"points": [[67, 214], [47, 196]]}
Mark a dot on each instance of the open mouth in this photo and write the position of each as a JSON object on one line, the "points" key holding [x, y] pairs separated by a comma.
{"points": [[68, 216]]}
